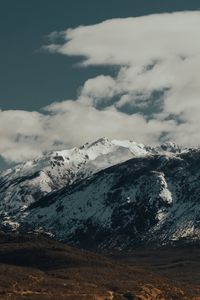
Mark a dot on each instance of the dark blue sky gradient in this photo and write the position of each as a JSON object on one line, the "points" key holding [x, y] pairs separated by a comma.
{"points": [[30, 79]]}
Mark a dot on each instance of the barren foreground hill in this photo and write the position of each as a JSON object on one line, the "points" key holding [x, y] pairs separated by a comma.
{"points": [[34, 267]]}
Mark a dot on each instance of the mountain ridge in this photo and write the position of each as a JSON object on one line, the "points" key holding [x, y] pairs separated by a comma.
{"points": [[109, 194]]}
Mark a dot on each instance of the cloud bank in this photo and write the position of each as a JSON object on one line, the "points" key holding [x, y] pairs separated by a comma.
{"points": [[154, 96]]}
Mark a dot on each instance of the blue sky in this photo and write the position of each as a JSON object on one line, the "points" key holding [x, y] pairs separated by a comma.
{"points": [[32, 78]]}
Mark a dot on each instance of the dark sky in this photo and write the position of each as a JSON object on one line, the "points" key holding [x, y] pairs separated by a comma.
{"points": [[31, 79]]}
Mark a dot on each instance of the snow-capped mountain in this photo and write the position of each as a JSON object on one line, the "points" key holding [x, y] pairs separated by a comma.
{"points": [[28, 182], [106, 194]]}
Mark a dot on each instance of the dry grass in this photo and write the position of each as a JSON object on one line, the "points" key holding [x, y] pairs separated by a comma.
{"points": [[36, 268]]}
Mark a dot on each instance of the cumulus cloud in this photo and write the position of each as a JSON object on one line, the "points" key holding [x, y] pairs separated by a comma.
{"points": [[154, 95]]}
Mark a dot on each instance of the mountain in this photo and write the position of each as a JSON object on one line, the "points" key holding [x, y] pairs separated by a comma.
{"points": [[28, 182], [106, 195]]}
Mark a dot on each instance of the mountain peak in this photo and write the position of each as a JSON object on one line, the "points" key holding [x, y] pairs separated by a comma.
{"points": [[101, 141], [122, 190]]}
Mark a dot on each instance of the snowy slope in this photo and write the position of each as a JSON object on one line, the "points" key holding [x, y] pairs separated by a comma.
{"points": [[28, 182], [106, 194], [151, 199]]}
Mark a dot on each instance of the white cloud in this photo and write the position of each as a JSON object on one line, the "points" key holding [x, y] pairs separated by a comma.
{"points": [[134, 40], [25, 135], [21, 134], [98, 90], [156, 55], [76, 123]]}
